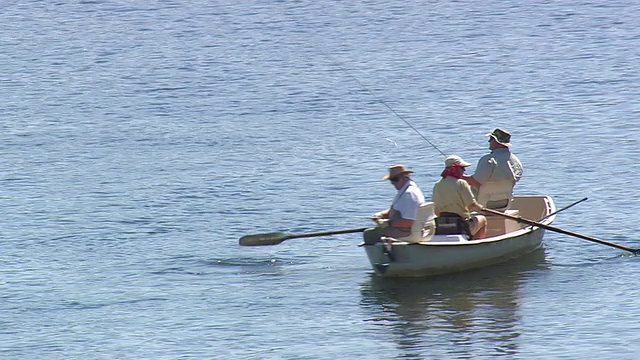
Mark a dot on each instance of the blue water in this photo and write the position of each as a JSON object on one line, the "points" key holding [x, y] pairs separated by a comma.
{"points": [[141, 140]]}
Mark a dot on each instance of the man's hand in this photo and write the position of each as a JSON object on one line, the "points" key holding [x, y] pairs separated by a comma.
{"points": [[382, 223], [379, 216]]}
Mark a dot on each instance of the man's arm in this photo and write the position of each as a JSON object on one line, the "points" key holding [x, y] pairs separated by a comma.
{"points": [[475, 206], [384, 214], [471, 180], [403, 223], [516, 167]]}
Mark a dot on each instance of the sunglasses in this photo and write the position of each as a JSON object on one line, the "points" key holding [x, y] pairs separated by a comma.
{"points": [[396, 179]]}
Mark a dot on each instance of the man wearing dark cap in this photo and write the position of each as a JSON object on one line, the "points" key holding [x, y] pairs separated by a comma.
{"points": [[496, 173]]}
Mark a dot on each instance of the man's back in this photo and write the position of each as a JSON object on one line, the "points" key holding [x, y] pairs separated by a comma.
{"points": [[497, 173], [452, 195]]}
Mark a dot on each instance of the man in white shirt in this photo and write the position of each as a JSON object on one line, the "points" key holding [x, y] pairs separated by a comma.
{"points": [[496, 173], [397, 220]]}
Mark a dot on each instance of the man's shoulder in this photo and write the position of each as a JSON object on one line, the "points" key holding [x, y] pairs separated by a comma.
{"points": [[450, 181], [485, 158], [506, 152], [413, 189], [462, 183]]}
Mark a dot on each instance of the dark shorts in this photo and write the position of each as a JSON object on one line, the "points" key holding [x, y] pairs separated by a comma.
{"points": [[451, 223], [375, 234]]}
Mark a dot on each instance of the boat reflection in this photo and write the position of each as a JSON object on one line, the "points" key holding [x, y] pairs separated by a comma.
{"points": [[465, 315]]}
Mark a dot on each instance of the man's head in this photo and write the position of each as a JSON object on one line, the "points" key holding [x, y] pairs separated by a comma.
{"points": [[398, 175], [499, 138], [454, 166], [455, 160]]}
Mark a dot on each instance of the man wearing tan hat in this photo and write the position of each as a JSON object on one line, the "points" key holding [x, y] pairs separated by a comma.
{"points": [[496, 173], [396, 221], [454, 201]]}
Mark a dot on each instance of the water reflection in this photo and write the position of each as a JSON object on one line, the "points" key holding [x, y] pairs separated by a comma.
{"points": [[464, 315]]}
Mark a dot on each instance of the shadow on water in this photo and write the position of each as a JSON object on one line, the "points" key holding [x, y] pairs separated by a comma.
{"points": [[468, 314]]}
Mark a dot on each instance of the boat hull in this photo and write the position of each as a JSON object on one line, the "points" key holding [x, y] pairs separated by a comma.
{"points": [[447, 254]]}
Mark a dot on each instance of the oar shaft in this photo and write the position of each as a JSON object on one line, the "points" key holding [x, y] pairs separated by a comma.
{"points": [[559, 230], [563, 209], [278, 237], [587, 237], [325, 233]]}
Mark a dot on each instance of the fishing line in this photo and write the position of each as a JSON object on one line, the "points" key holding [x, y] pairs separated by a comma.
{"points": [[389, 107]]}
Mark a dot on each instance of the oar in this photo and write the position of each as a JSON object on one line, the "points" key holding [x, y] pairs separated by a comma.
{"points": [[563, 209], [276, 238], [562, 231]]}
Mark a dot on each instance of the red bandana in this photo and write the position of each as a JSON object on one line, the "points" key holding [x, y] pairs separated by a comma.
{"points": [[452, 171]]}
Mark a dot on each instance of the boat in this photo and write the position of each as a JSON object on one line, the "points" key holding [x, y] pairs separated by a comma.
{"points": [[506, 239]]}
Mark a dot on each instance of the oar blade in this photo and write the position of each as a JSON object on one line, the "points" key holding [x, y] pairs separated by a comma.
{"points": [[273, 238]]}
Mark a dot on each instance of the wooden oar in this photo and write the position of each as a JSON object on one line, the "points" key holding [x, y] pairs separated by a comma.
{"points": [[563, 209], [562, 231], [276, 238]]}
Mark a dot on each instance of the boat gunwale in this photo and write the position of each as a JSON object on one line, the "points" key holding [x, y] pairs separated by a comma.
{"points": [[510, 235], [493, 239]]}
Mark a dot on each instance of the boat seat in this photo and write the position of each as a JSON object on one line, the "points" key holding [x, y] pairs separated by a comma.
{"points": [[452, 224], [500, 205], [423, 227], [498, 225]]}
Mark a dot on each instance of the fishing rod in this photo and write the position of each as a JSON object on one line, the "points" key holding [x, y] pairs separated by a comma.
{"points": [[390, 109]]}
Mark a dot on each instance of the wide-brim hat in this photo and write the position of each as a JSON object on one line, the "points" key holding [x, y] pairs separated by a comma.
{"points": [[395, 170], [501, 137], [453, 160]]}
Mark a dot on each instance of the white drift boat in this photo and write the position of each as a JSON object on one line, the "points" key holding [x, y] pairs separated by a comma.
{"points": [[505, 239]]}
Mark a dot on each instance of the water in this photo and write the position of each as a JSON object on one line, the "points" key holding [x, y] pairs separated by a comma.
{"points": [[140, 140]]}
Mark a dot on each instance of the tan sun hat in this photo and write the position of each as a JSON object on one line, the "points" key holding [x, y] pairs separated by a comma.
{"points": [[455, 160], [395, 170], [501, 136]]}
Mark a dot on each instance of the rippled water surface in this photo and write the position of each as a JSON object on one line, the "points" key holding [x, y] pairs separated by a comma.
{"points": [[140, 140]]}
